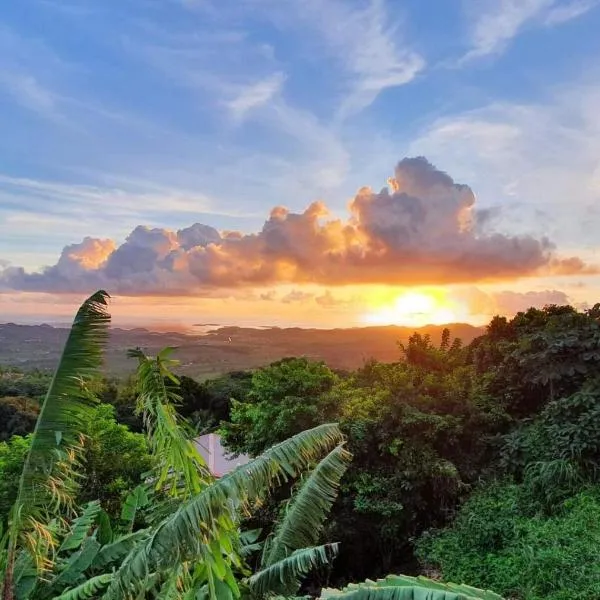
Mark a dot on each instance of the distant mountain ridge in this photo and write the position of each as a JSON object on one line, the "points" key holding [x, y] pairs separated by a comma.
{"points": [[226, 348]]}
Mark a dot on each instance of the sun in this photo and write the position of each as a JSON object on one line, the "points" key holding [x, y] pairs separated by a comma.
{"points": [[414, 309]]}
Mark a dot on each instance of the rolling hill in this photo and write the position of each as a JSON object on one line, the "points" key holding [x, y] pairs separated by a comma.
{"points": [[223, 349]]}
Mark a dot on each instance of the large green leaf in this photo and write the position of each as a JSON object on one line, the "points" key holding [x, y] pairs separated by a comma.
{"points": [[68, 403], [308, 509], [404, 587], [284, 577], [138, 498]]}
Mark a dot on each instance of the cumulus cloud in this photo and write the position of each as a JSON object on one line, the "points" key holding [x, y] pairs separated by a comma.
{"points": [[422, 229]]}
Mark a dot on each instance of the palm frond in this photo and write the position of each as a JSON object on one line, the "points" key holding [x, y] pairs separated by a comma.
{"points": [[285, 576], [308, 509], [405, 587], [200, 521], [180, 462], [89, 589], [68, 402], [47, 475]]}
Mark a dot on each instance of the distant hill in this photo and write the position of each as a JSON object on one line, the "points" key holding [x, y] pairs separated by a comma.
{"points": [[224, 349]]}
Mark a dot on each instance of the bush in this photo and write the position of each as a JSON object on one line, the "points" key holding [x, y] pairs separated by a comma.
{"points": [[496, 545]]}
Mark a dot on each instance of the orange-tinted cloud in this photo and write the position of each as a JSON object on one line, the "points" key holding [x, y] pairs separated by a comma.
{"points": [[425, 229]]}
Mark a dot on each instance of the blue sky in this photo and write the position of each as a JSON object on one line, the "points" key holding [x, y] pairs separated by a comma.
{"points": [[169, 112]]}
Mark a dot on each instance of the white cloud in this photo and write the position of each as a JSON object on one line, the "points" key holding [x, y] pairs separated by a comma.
{"points": [[372, 51], [360, 36], [29, 71], [538, 162], [494, 23], [568, 11], [256, 95], [130, 201], [29, 93]]}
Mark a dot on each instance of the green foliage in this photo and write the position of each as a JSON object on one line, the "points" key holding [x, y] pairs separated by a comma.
{"points": [[136, 500], [17, 416], [12, 459], [495, 542], [558, 452], [283, 400], [195, 530], [88, 589], [289, 553], [419, 430], [192, 547], [538, 356], [32, 384], [513, 415], [181, 470], [306, 512], [113, 461], [284, 577]]}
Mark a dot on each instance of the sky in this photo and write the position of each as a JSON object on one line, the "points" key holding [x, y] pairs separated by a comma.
{"points": [[323, 163]]}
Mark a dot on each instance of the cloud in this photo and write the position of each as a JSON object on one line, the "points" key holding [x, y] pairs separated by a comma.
{"points": [[424, 230], [477, 302], [568, 11], [255, 95], [494, 23], [29, 93], [328, 300], [364, 41], [372, 51], [510, 303], [296, 296], [29, 71], [538, 160]]}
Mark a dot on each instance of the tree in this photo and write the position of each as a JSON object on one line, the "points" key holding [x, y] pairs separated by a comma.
{"points": [[17, 416], [284, 398], [114, 460]]}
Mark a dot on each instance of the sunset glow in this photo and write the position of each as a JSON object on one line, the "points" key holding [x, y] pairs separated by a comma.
{"points": [[307, 175], [415, 309]]}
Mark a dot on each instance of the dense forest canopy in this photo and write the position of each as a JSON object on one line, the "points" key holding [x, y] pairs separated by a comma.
{"points": [[473, 462]]}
